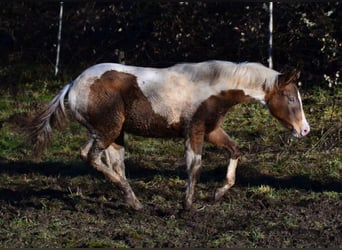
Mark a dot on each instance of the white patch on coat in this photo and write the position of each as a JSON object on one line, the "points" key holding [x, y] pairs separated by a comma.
{"points": [[172, 91], [192, 159], [305, 127], [78, 97], [193, 163], [230, 179]]}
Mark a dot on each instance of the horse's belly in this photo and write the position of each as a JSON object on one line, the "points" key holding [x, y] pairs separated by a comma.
{"points": [[150, 124]]}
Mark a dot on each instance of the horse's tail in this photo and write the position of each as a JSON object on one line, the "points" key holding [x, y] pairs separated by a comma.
{"points": [[53, 115]]}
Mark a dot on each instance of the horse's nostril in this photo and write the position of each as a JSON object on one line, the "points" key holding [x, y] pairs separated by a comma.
{"points": [[305, 131]]}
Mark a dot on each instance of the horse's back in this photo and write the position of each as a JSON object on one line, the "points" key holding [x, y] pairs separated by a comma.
{"points": [[107, 97], [167, 94], [153, 98]]}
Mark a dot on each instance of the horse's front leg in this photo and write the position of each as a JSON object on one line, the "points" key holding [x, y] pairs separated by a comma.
{"points": [[220, 139], [193, 157]]}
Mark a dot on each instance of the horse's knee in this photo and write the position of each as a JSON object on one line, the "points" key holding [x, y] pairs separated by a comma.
{"points": [[234, 151]]}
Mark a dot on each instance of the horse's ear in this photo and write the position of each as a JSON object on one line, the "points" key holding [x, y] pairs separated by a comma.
{"points": [[293, 76], [298, 73]]}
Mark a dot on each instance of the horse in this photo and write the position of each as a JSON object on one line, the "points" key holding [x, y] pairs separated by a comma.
{"points": [[186, 100]]}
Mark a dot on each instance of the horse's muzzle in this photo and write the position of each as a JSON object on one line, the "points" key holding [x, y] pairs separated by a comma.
{"points": [[304, 130]]}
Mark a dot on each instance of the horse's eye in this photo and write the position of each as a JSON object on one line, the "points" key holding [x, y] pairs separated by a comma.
{"points": [[291, 99]]}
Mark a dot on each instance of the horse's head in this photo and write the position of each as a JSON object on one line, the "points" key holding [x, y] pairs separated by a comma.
{"points": [[284, 103]]}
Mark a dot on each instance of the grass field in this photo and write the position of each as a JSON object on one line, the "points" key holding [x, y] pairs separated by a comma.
{"points": [[287, 192]]}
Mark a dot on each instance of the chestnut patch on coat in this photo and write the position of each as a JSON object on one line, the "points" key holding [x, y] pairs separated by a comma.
{"points": [[105, 111], [210, 114], [213, 110], [117, 103]]}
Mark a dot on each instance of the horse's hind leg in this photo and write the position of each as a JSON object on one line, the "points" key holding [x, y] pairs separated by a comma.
{"points": [[85, 149], [193, 156], [119, 179], [114, 157], [220, 139]]}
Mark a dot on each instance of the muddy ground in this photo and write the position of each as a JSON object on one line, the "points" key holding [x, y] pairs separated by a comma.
{"points": [[60, 204]]}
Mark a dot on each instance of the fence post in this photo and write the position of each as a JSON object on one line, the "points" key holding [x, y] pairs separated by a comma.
{"points": [[59, 37], [270, 59]]}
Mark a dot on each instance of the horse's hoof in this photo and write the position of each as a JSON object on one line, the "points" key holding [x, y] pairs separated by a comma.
{"points": [[138, 206], [134, 204], [187, 205], [219, 193]]}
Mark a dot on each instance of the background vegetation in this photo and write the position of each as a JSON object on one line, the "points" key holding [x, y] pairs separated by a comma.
{"points": [[160, 33], [288, 192]]}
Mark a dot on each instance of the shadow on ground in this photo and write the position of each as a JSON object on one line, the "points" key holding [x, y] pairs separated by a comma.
{"points": [[244, 178]]}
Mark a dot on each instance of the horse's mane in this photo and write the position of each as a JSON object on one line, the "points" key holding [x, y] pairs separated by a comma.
{"points": [[247, 74]]}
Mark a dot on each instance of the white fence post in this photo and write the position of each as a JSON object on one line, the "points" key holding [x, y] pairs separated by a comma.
{"points": [[59, 37], [270, 59]]}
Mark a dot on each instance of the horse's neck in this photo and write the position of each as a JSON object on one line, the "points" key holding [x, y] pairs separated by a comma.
{"points": [[258, 94], [250, 88], [253, 78]]}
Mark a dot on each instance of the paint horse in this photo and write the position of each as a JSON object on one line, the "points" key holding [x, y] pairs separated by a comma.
{"points": [[188, 100]]}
